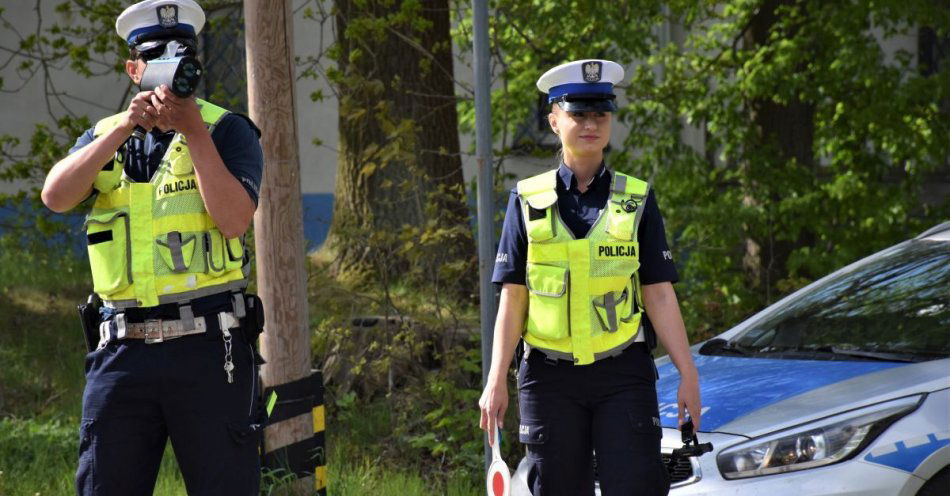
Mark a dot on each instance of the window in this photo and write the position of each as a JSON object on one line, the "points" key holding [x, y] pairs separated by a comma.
{"points": [[894, 305], [932, 51], [222, 53]]}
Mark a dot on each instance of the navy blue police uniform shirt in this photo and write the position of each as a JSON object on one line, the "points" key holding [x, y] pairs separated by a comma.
{"points": [[579, 211], [235, 137]]}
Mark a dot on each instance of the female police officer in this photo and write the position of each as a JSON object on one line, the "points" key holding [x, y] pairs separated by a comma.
{"points": [[582, 257]]}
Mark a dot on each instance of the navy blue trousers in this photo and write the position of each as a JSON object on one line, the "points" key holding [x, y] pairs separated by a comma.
{"points": [[139, 395], [609, 407]]}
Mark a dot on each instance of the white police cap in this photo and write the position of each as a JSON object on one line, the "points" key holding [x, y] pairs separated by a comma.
{"points": [[154, 19], [582, 85]]}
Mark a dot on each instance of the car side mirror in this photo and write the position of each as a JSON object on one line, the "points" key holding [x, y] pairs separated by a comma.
{"points": [[712, 346]]}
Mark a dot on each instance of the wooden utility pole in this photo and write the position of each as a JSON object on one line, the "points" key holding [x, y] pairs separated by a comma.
{"points": [[278, 223]]}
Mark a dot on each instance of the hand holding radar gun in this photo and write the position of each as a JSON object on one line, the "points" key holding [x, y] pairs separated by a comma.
{"points": [[175, 69], [498, 480], [691, 446]]}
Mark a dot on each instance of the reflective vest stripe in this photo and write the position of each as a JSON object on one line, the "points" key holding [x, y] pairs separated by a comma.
{"points": [[182, 297], [140, 211]]}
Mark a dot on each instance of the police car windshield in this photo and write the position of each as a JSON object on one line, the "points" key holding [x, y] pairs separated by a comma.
{"points": [[894, 308]]}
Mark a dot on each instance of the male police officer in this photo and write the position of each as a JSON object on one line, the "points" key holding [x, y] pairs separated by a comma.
{"points": [[165, 241]]}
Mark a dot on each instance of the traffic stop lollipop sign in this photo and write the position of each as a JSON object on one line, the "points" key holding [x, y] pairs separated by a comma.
{"points": [[498, 481]]}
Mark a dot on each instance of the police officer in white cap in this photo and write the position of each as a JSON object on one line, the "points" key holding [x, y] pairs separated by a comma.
{"points": [[165, 234], [586, 281]]}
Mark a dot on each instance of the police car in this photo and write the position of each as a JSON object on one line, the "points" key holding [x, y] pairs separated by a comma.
{"points": [[843, 387]]}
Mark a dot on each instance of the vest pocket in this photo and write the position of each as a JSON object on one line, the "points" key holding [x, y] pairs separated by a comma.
{"points": [[547, 301], [180, 159], [235, 253], [177, 251], [620, 223], [109, 178], [223, 254], [107, 237], [615, 308], [531, 432]]}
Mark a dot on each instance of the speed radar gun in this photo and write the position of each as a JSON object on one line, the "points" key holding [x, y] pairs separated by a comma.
{"points": [[691, 445], [176, 69], [498, 480]]}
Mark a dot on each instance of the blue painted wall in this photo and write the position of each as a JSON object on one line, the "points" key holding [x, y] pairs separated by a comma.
{"points": [[317, 214]]}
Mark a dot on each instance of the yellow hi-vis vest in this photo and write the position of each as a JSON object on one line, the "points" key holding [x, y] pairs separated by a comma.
{"points": [[584, 299], [153, 243]]}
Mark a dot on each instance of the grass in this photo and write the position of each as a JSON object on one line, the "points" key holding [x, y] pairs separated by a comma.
{"points": [[41, 382], [38, 457], [358, 463]]}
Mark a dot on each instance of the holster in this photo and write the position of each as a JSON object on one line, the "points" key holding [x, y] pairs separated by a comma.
{"points": [[90, 319], [252, 325]]}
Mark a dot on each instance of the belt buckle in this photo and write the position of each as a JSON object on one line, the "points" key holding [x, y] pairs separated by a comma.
{"points": [[153, 331]]}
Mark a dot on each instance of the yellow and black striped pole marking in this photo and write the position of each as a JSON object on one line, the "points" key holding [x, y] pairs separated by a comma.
{"points": [[307, 457]]}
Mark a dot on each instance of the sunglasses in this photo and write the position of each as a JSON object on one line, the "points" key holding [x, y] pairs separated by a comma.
{"points": [[151, 50]]}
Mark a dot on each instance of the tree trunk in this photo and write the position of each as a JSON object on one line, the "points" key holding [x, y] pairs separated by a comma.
{"points": [[785, 130], [399, 169]]}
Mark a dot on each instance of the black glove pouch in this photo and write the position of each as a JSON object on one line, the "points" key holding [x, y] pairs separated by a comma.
{"points": [[253, 323]]}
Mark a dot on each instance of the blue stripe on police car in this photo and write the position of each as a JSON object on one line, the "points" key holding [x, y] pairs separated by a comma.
{"points": [[908, 454]]}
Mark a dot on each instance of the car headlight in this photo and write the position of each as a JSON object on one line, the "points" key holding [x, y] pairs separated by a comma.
{"points": [[815, 444]]}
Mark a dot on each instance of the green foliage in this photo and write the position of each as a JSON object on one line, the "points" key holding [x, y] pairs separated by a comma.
{"points": [[41, 381], [400, 215], [41, 389], [79, 38], [357, 468], [447, 427], [394, 314], [273, 480], [37, 457], [411, 378], [529, 37], [373, 452], [817, 145], [44, 47], [39, 323], [817, 142]]}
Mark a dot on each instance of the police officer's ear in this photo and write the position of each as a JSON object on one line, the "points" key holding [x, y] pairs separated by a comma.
{"points": [[552, 119], [134, 69]]}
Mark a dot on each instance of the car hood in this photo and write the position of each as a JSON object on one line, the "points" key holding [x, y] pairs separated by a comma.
{"points": [[752, 396]]}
